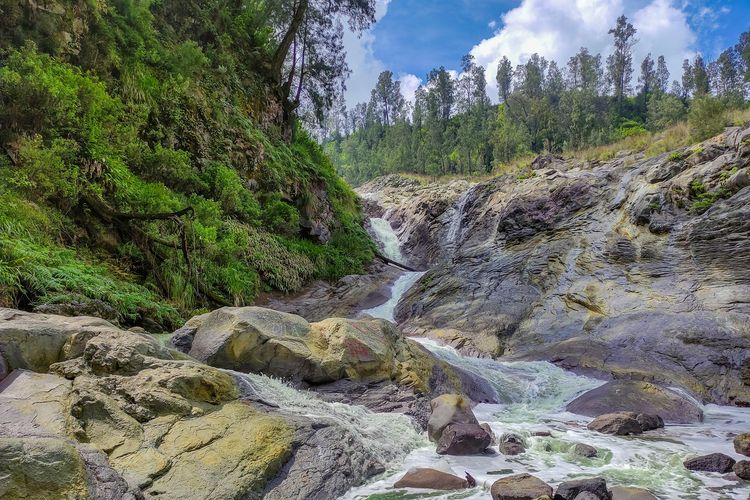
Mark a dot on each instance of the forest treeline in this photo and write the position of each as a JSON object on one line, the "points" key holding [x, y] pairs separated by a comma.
{"points": [[452, 127], [151, 159]]}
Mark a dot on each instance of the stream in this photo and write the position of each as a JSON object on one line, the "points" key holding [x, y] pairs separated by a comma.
{"points": [[533, 397]]}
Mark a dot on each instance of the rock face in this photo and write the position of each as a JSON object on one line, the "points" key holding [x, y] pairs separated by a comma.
{"points": [[638, 397], [463, 439], [431, 479], [715, 462], [619, 424], [520, 487], [598, 266], [120, 417], [742, 444], [570, 490]]}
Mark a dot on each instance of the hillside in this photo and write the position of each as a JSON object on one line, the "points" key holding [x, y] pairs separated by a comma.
{"points": [[147, 169]]}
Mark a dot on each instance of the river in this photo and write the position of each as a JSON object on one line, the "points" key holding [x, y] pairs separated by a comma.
{"points": [[533, 397]]}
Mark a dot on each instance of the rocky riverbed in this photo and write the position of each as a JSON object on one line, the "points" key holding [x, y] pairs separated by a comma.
{"points": [[580, 333]]}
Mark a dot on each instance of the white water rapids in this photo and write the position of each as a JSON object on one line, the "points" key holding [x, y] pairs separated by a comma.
{"points": [[534, 396]]}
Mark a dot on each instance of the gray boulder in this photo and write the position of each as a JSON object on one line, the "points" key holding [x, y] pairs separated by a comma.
{"points": [[431, 479], [742, 469], [715, 462], [619, 424], [569, 490], [463, 439], [584, 450], [742, 444], [631, 493], [449, 409], [638, 397]]}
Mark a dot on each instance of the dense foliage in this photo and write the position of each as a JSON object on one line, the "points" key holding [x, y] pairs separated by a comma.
{"points": [[145, 161], [451, 128]]}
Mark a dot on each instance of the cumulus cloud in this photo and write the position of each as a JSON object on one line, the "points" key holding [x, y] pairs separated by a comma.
{"points": [[360, 56], [409, 85], [556, 29]]}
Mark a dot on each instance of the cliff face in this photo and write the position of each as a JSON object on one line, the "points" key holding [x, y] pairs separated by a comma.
{"points": [[636, 267]]}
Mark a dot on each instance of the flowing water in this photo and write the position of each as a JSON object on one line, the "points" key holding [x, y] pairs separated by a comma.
{"points": [[453, 236], [387, 237], [533, 397]]}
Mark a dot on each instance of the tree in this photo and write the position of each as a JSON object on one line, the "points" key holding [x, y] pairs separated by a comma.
{"points": [[386, 98], [443, 89], [620, 63], [504, 79], [661, 79], [664, 110], [647, 80], [688, 79], [309, 58], [701, 82], [585, 71]]}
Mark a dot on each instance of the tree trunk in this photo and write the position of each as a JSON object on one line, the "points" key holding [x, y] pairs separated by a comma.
{"points": [[277, 63]]}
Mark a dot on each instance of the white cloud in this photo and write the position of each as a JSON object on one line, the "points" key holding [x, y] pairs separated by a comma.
{"points": [[556, 29], [409, 85], [360, 56], [492, 24]]}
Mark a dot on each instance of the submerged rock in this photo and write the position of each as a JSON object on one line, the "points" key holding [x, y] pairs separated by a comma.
{"points": [[715, 462], [520, 487], [585, 450], [463, 439], [638, 397], [569, 490], [431, 479], [511, 444], [619, 424], [742, 444]]}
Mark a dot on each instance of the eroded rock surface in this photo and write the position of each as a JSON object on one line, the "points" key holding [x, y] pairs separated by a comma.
{"points": [[596, 266]]}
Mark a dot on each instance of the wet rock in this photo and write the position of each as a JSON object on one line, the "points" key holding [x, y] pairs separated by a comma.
{"points": [[586, 495], [520, 487], [639, 397], [431, 479], [489, 431], [94, 308], [511, 444], [742, 469], [631, 493], [619, 424], [448, 409], [715, 462], [650, 422], [584, 450], [463, 439], [569, 490], [742, 444]]}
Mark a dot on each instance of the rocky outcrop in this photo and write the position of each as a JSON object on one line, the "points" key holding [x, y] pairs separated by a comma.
{"points": [[638, 397], [597, 266], [520, 487], [129, 418]]}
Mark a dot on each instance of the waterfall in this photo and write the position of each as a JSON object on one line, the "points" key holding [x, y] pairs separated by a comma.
{"points": [[385, 235], [398, 290], [454, 233]]}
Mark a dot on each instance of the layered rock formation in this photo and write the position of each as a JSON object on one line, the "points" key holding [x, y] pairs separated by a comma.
{"points": [[612, 267]]}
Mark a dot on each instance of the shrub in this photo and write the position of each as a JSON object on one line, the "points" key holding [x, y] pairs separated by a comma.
{"points": [[706, 117]]}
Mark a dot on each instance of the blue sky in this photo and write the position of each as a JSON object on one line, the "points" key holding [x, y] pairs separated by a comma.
{"points": [[413, 36]]}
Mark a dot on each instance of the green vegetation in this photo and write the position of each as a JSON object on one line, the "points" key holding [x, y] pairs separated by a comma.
{"points": [[147, 160], [703, 199], [585, 108]]}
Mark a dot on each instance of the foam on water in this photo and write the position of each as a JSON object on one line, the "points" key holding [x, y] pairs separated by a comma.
{"points": [[534, 396], [387, 237]]}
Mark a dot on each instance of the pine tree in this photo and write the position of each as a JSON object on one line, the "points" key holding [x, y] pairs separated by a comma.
{"points": [[620, 63]]}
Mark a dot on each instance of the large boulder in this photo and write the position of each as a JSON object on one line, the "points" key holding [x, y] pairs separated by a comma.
{"points": [[619, 424], [631, 493], [431, 479], [742, 444], [520, 487], [463, 439], [638, 397], [596, 486], [715, 462], [448, 409], [742, 469]]}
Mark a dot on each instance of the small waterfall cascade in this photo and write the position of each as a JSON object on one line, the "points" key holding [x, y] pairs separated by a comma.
{"points": [[387, 237], [402, 285], [455, 229]]}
